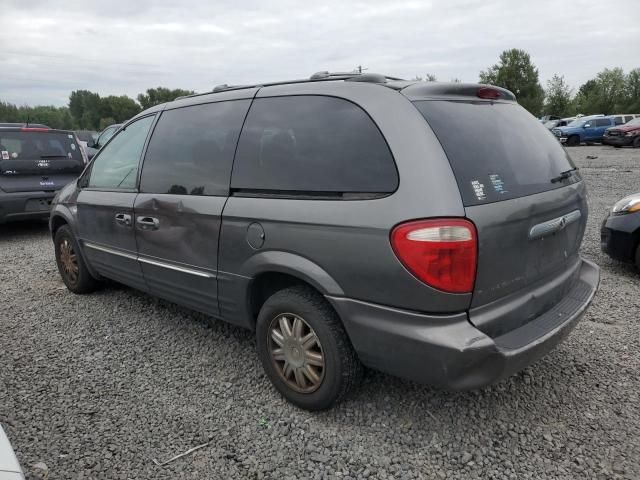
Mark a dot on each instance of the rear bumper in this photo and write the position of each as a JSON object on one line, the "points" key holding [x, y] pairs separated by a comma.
{"points": [[618, 140], [448, 350], [620, 235], [24, 205]]}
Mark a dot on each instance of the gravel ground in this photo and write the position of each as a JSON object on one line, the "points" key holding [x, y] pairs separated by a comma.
{"points": [[97, 386]]}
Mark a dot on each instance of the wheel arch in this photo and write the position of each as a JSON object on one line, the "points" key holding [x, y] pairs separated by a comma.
{"points": [[60, 218], [274, 270], [57, 220]]}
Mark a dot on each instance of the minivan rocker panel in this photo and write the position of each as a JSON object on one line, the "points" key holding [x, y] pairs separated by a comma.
{"points": [[260, 238]]}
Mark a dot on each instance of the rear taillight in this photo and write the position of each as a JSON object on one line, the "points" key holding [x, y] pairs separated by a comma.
{"points": [[443, 253]]}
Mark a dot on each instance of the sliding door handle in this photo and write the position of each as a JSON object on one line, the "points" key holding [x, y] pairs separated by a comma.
{"points": [[123, 219]]}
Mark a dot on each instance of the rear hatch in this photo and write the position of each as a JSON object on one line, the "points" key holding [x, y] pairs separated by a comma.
{"points": [[34, 159], [530, 217]]}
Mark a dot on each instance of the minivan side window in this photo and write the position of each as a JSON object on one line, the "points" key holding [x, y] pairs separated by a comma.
{"points": [[618, 120], [312, 143], [602, 122], [191, 149], [116, 165]]}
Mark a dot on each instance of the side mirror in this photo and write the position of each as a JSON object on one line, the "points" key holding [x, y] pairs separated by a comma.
{"points": [[586, 125]]}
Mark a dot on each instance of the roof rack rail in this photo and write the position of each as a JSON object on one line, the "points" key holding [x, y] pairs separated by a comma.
{"points": [[323, 75], [316, 77]]}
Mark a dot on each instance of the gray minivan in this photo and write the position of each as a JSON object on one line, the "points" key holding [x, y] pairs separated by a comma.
{"points": [[428, 230]]}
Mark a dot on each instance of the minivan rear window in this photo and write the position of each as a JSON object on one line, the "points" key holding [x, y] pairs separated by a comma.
{"points": [[24, 145], [38, 152], [498, 151]]}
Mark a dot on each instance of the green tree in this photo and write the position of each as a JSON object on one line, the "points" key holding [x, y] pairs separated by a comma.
{"points": [[611, 90], [633, 92], [119, 108], [156, 96], [557, 97], [85, 108], [515, 72], [608, 93], [9, 113], [584, 101], [54, 117]]}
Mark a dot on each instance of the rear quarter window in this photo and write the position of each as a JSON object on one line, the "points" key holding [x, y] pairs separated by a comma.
{"points": [[312, 143]]}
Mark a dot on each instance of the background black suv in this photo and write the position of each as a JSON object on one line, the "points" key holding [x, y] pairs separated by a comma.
{"points": [[35, 162]]}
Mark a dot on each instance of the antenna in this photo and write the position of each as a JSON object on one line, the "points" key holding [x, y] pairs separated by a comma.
{"points": [[359, 69]]}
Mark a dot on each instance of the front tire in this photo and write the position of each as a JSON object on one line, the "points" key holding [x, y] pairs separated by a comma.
{"points": [[636, 141], [573, 141], [71, 266], [305, 350]]}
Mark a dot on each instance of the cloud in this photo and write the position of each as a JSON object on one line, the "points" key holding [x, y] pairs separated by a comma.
{"points": [[125, 47]]}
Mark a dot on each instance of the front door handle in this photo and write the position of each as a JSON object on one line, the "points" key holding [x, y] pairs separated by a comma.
{"points": [[123, 219], [148, 223]]}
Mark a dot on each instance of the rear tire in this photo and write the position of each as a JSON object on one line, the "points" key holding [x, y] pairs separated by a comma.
{"points": [[573, 141], [638, 257], [315, 373], [71, 266]]}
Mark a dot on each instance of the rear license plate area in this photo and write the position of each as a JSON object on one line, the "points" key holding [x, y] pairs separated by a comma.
{"points": [[38, 204]]}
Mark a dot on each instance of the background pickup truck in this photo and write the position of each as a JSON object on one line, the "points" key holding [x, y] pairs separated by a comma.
{"points": [[585, 129]]}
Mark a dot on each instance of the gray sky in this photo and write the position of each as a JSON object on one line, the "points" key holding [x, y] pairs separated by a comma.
{"points": [[49, 48]]}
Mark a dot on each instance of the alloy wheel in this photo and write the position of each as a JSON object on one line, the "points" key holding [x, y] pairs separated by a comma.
{"points": [[296, 352], [69, 261]]}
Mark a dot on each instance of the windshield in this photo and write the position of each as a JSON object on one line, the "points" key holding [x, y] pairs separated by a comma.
{"points": [[34, 145], [504, 152], [551, 123], [635, 121]]}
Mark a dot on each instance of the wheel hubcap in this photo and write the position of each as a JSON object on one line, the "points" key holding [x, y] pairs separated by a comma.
{"points": [[296, 352], [68, 261]]}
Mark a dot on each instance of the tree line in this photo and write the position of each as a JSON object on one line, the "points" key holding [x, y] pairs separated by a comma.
{"points": [[88, 110], [610, 91]]}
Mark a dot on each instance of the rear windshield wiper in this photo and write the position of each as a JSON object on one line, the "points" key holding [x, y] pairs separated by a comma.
{"points": [[564, 175], [54, 155]]}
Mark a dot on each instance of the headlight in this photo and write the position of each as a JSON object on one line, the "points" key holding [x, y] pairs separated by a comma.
{"points": [[628, 204], [632, 133]]}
